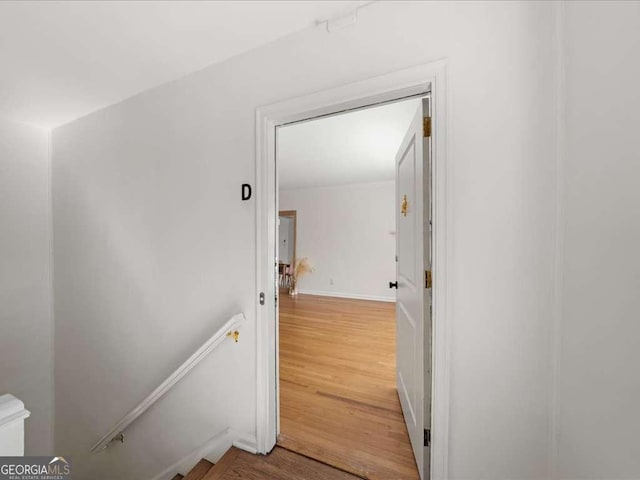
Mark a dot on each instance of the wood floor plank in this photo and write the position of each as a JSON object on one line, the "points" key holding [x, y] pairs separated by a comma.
{"points": [[338, 397]]}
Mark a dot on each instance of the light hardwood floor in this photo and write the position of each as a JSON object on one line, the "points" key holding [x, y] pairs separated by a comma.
{"points": [[280, 464], [338, 399]]}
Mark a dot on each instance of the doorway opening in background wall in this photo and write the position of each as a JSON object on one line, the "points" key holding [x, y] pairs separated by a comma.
{"points": [[354, 262], [287, 233]]}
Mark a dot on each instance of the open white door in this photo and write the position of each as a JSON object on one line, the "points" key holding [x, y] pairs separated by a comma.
{"points": [[413, 277]]}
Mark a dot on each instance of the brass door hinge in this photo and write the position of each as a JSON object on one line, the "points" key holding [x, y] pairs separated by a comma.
{"points": [[426, 126], [427, 279]]}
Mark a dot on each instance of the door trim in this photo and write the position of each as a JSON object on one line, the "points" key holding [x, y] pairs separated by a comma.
{"points": [[394, 86]]}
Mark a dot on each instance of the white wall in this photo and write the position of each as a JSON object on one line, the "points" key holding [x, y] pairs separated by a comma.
{"points": [[346, 232], [25, 280], [599, 349], [153, 246]]}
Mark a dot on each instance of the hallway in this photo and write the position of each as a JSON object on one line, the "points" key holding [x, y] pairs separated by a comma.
{"points": [[338, 399]]}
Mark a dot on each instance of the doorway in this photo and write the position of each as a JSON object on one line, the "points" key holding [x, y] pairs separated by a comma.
{"points": [[356, 182], [412, 82], [338, 395], [287, 231]]}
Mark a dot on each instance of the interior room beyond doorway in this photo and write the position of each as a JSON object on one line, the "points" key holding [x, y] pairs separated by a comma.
{"points": [[338, 397]]}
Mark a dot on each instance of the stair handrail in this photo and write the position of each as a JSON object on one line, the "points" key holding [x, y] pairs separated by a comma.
{"points": [[229, 329]]}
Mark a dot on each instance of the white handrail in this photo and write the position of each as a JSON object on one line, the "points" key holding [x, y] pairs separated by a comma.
{"points": [[227, 330]]}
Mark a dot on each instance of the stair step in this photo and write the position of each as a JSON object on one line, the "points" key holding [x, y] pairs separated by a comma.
{"points": [[200, 470], [227, 460], [280, 464]]}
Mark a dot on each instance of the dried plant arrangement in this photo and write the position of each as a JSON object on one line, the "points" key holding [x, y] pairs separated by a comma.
{"points": [[302, 268]]}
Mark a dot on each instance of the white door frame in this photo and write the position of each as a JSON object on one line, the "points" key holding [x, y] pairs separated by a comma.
{"points": [[404, 83]]}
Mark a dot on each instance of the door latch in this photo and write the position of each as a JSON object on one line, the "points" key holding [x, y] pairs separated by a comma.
{"points": [[261, 298], [427, 437]]}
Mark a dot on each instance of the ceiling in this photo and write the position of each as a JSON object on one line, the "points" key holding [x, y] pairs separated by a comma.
{"points": [[355, 147], [64, 59]]}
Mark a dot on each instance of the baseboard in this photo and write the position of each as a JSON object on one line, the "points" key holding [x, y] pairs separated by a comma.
{"points": [[245, 442], [355, 296], [212, 450]]}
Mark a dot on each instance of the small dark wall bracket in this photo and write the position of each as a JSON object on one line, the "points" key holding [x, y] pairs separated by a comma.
{"points": [[246, 191]]}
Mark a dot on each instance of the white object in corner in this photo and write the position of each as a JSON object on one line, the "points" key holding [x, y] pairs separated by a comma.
{"points": [[12, 415]]}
